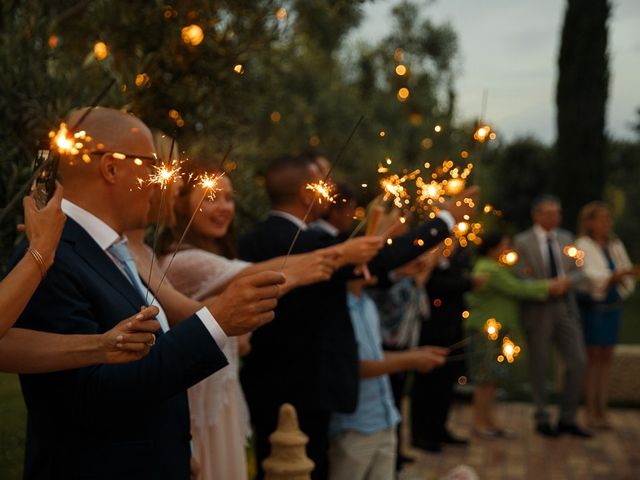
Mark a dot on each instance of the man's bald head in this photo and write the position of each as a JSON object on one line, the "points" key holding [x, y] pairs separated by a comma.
{"points": [[108, 130], [287, 176], [103, 177]]}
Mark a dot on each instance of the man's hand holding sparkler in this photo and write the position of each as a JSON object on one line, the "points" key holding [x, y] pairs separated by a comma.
{"points": [[357, 250], [426, 358], [309, 268], [559, 286], [43, 227], [131, 339], [248, 302]]}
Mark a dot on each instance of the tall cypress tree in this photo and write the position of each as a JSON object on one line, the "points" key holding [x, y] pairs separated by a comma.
{"points": [[581, 98]]}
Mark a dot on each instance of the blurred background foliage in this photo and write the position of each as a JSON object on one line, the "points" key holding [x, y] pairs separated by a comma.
{"points": [[266, 77]]}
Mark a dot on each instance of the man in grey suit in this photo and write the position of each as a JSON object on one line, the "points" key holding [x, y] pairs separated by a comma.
{"points": [[554, 321]]}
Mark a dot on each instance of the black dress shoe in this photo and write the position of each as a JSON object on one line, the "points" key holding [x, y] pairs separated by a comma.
{"points": [[453, 440], [573, 429], [402, 460], [428, 445], [546, 429]]}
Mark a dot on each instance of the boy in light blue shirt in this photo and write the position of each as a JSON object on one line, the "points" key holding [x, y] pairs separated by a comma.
{"points": [[363, 444]]}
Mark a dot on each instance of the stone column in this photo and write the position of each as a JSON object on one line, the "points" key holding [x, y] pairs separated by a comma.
{"points": [[288, 459]]}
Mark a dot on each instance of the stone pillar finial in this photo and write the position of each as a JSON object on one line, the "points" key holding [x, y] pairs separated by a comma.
{"points": [[288, 459]]}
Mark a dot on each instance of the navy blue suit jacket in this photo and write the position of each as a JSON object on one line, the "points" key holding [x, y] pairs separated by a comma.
{"points": [[308, 355], [127, 421]]}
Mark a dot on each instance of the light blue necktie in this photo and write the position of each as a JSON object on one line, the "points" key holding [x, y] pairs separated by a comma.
{"points": [[121, 252]]}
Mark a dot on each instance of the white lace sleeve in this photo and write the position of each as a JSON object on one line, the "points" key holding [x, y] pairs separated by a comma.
{"points": [[198, 273]]}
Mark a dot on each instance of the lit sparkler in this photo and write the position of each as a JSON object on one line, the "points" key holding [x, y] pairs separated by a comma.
{"points": [[508, 258], [482, 133], [575, 254], [393, 187], [509, 351], [66, 143], [326, 177], [492, 328], [454, 186], [323, 190], [466, 232], [162, 176], [66, 140], [209, 184]]}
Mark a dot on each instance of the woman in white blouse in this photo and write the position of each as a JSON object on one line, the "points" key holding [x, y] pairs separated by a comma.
{"points": [[608, 279]]}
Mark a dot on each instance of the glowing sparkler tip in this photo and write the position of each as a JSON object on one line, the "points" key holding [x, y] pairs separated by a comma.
{"points": [[323, 190], [482, 133], [209, 182], [64, 141], [509, 258], [509, 350]]}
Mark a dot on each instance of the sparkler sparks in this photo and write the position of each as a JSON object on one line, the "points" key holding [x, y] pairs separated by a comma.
{"points": [[482, 133], [509, 351], [454, 186], [492, 328], [393, 188], [508, 257], [323, 190], [163, 175], [209, 183], [64, 142], [575, 254], [467, 232]]}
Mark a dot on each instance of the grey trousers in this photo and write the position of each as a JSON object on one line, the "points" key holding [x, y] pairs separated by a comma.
{"points": [[555, 323], [363, 456]]}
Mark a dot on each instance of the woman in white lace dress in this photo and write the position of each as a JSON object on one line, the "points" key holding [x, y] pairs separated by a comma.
{"points": [[204, 266], [219, 415]]}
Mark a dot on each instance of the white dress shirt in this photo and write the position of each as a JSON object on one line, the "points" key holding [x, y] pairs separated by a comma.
{"points": [[105, 236], [542, 235], [292, 218], [322, 224]]}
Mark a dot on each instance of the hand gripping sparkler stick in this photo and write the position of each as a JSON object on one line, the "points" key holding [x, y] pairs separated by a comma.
{"points": [[326, 177], [491, 329], [23, 190], [372, 227]]}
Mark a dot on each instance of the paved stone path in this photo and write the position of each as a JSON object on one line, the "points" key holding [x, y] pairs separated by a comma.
{"points": [[610, 455]]}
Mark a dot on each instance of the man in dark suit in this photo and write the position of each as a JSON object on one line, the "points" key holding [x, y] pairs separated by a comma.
{"points": [[308, 356], [127, 421], [432, 393]]}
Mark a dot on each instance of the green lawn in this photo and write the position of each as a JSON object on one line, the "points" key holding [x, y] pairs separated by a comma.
{"points": [[12, 411], [12, 427]]}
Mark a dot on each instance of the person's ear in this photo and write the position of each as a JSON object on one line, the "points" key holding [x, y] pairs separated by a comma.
{"points": [[108, 168]]}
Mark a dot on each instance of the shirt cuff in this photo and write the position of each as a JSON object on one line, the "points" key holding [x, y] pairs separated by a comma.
{"points": [[447, 218], [213, 327]]}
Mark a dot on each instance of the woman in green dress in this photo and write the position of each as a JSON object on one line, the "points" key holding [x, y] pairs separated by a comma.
{"points": [[498, 299]]}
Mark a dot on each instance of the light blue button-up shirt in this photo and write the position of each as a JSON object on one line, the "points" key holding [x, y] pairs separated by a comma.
{"points": [[376, 410]]}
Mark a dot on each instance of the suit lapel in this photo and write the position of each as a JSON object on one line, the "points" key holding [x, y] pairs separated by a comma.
{"points": [[536, 255], [100, 262]]}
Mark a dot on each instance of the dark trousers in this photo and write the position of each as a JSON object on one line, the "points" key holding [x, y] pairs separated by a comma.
{"points": [[398, 382], [314, 423], [431, 399]]}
